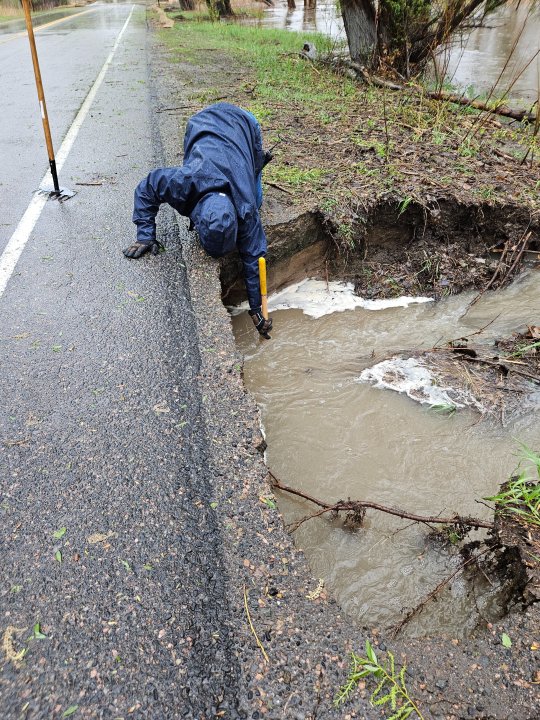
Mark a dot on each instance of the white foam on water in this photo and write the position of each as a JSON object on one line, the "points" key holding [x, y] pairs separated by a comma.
{"points": [[316, 298], [410, 376]]}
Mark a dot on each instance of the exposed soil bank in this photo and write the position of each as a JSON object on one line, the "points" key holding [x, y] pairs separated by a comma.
{"points": [[303, 632], [436, 249]]}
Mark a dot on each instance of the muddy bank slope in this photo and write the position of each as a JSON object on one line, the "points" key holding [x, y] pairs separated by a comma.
{"points": [[305, 637]]}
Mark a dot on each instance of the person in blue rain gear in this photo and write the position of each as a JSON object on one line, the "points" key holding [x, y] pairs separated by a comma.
{"points": [[219, 188]]}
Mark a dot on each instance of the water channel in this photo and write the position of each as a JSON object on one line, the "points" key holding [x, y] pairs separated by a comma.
{"points": [[473, 62], [335, 437]]}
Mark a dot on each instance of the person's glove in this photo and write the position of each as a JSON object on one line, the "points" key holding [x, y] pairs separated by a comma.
{"points": [[263, 326], [268, 157], [138, 249]]}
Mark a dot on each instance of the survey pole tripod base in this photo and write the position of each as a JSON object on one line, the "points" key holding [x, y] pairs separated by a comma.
{"points": [[54, 191]]}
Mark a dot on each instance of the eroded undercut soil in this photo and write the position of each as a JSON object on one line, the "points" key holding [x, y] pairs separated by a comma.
{"points": [[435, 249]]}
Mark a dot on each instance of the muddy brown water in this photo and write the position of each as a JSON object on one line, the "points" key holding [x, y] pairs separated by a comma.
{"points": [[476, 60], [336, 438]]}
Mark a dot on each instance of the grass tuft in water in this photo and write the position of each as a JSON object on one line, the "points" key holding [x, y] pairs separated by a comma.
{"points": [[521, 494], [443, 408]]}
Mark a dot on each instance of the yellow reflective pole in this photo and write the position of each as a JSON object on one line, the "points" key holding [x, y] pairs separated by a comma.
{"points": [[262, 281]]}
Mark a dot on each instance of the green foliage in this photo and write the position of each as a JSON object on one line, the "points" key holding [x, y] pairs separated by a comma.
{"points": [[443, 408], [403, 205], [390, 690], [293, 175], [521, 494], [522, 350], [329, 204], [408, 32], [402, 18]]}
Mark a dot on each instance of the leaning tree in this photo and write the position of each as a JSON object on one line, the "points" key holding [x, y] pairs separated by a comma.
{"points": [[405, 33]]}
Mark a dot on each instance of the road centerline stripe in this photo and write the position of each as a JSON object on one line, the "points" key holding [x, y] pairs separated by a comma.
{"points": [[17, 242]]}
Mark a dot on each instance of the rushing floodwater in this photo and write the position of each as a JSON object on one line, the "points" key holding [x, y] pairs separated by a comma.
{"points": [[476, 62], [336, 438]]}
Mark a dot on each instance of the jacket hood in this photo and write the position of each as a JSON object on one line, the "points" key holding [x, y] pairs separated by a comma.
{"points": [[214, 218]]}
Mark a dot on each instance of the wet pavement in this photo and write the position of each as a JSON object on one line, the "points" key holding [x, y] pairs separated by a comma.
{"points": [[102, 435], [17, 25], [135, 522]]}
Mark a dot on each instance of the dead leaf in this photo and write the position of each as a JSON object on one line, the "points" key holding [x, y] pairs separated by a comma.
{"points": [[161, 407], [100, 537]]}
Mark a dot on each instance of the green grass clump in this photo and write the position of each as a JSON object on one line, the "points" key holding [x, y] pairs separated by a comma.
{"points": [[293, 175], [391, 689], [521, 494], [281, 75]]}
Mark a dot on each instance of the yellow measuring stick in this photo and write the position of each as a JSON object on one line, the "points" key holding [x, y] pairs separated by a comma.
{"points": [[262, 281]]}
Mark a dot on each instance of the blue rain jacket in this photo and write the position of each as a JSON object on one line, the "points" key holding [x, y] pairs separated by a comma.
{"points": [[222, 154]]}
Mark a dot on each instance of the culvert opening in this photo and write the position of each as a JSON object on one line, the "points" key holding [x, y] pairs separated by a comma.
{"points": [[334, 436]]}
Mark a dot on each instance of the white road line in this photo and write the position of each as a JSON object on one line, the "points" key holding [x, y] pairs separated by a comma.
{"points": [[17, 242]]}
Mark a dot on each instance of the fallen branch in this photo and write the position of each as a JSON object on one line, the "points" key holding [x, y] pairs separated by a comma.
{"points": [[506, 275], [356, 510], [279, 187], [503, 110], [494, 109], [520, 250], [500, 365], [450, 343]]}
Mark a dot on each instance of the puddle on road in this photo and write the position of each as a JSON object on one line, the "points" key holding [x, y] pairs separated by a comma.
{"points": [[335, 437]]}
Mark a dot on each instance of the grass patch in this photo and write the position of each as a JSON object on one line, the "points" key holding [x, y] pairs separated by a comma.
{"points": [[272, 55], [293, 175], [520, 496]]}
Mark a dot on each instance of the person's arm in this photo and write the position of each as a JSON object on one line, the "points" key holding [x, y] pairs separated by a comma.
{"points": [[252, 245], [163, 185]]}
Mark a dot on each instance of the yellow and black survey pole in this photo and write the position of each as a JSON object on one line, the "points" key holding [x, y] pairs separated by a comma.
{"points": [[262, 281], [57, 191]]}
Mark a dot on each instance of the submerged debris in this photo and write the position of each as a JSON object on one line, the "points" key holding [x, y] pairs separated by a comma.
{"points": [[412, 377], [499, 382]]}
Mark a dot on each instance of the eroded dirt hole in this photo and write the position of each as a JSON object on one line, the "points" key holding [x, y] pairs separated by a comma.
{"points": [[335, 435]]}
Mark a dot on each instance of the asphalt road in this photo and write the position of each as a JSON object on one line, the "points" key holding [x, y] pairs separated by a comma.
{"points": [[101, 427]]}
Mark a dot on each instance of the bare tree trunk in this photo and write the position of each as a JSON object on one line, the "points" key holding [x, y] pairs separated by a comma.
{"points": [[359, 18], [310, 4], [220, 7], [291, 4]]}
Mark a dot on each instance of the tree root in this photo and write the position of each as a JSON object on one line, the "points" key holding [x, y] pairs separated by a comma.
{"points": [[421, 605], [356, 510]]}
